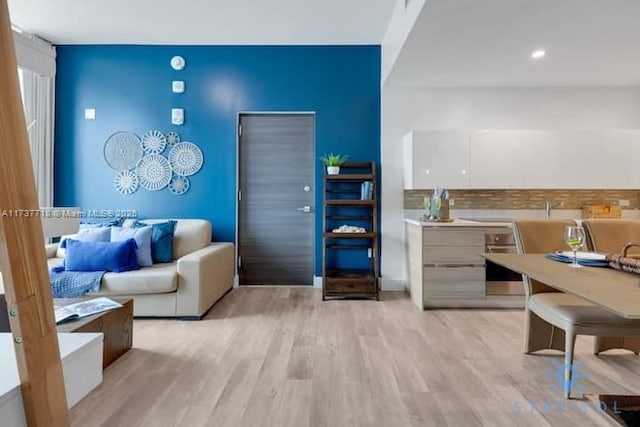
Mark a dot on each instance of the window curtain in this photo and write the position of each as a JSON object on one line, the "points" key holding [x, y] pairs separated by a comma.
{"points": [[38, 98]]}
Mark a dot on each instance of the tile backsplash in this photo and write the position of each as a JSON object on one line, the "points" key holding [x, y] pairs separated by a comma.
{"points": [[526, 199]]}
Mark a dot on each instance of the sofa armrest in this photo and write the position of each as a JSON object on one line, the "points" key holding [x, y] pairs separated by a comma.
{"points": [[51, 249], [204, 276]]}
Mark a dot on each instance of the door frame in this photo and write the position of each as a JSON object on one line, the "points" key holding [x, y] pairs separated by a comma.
{"points": [[236, 282]]}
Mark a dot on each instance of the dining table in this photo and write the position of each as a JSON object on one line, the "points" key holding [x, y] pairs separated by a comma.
{"points": [[615, 290]]}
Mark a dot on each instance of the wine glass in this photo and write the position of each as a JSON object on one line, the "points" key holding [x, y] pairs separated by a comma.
{"points": [[574, 237]]}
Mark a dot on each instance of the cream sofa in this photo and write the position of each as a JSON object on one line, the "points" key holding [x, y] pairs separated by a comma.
{"points": [[201, 273]]}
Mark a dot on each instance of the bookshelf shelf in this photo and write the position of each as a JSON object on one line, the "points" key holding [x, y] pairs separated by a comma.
{"points": [[351, 198]]}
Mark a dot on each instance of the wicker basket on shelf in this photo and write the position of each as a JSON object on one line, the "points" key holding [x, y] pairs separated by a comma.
{"points": [[625, 262]]}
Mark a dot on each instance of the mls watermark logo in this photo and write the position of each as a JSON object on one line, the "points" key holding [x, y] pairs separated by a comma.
{"points": [[559, 404], [577, 374]]}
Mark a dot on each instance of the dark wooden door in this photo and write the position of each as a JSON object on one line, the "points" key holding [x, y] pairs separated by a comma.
{"points": [[276, 208]]}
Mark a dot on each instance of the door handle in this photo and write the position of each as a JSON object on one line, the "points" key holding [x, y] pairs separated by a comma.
{"points": [[304, 209]]}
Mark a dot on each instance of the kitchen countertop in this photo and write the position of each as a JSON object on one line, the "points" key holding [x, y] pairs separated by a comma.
{"points": [[457, 222], [499, 217]]}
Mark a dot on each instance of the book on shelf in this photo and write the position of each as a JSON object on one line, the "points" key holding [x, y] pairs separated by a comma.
{"points": [[366, 190], [83, 309]]}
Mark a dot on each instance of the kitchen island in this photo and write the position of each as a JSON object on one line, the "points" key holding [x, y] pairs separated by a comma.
{"points": [[446, 267]]}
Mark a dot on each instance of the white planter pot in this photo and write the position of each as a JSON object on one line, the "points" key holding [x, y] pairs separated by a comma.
{"points": [[333, 170]]}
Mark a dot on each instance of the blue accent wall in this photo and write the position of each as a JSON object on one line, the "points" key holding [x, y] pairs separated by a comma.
{"points": [[130, 88]]}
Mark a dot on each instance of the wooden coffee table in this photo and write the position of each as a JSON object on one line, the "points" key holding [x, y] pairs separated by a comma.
{"points": [[116, 325]]}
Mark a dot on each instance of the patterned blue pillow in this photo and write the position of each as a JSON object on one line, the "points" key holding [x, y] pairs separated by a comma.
{"points": [[161, 240]]}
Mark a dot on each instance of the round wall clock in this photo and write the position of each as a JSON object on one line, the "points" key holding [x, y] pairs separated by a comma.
{"points": [[177, 63]]}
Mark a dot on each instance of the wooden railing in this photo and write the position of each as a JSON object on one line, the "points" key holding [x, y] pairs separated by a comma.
{"points": [[22, 257]]}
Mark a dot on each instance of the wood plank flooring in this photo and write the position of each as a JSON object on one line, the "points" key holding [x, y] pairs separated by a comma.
{"points": [[282, 357]]}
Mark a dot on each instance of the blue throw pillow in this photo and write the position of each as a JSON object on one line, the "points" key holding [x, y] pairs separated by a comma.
{"points": [[161, 240], [142, 236], [101, 256]]}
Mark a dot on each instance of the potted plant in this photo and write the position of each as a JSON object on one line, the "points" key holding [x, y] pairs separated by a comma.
{"points": [[333, 162]]}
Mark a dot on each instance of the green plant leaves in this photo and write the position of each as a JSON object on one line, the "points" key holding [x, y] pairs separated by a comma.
{"points": [[334, 159]]}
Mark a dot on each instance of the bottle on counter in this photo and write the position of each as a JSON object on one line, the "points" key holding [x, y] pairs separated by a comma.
{"points": [[436, 203], [444, 205]]}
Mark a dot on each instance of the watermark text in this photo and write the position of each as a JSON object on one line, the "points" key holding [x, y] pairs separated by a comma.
{"points": [[68, 213]]}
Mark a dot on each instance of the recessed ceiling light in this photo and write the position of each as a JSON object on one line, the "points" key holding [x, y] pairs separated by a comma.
{"points": [[537, 54]]}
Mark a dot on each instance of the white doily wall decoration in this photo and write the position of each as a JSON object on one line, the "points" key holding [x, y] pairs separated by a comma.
{"points": [[153, 142], [185, 158], [172, 138], [179, 185], [122, 150], [126, 182], [153, 162], [154, 172]]}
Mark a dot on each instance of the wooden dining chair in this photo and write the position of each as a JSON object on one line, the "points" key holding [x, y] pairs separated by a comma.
{"points": [[553, 319], [609, 236]]}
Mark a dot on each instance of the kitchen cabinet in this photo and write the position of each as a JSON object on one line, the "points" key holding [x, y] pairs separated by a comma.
{"points": [[618, 165], [497, 159], [436, 158], [522, 159], [446, 267], [453, 266], [535, 159]]}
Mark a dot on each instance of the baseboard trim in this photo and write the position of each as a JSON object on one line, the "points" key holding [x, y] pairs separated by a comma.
{"points": [[317, 282], [387, 284]]}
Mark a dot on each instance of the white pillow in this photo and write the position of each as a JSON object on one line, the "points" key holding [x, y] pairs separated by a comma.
{"points": [[94, 234]]}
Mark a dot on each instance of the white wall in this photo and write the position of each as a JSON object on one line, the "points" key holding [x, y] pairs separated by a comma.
{"points": [[400, 25], [482, 108]]}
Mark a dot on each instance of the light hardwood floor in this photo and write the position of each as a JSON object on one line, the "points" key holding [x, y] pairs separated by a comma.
{"points": [[282, 357]]}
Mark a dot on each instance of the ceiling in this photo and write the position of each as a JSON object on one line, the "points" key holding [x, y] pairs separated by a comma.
{"points": [[454, 43], [204, 21], [489, 43]]}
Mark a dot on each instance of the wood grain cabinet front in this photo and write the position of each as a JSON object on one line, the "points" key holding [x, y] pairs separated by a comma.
{"points": [[453, 283], [446, 267]]}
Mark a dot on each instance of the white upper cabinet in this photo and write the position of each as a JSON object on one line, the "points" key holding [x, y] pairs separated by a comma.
{"points": [[525, 159], [562, 159], [497, 158], [534, 159], [436, 158], [619, 164]]}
